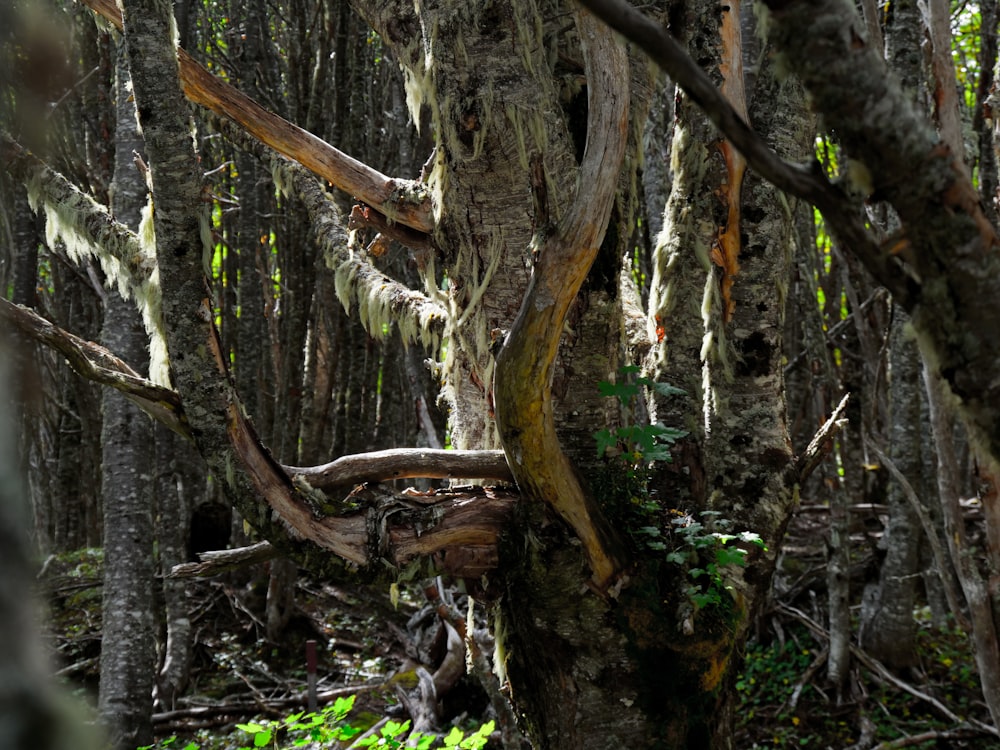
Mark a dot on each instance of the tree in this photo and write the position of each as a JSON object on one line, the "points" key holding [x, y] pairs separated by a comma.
{"points": [[622, 591]]}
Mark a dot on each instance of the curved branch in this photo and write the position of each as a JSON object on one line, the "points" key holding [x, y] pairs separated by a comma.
{"points": [[96, 363], [405, 463], [405, 201], [525, 363], [418, 317], [454, 532], [809, 182]]}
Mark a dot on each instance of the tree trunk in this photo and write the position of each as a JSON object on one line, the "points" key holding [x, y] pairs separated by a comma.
{"points": [[127, 648], [889, 632], [180, 482]]}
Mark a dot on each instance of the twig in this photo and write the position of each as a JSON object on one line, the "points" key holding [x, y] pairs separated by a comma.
{"points": [[942, 561], [253, 707], [820, 445], [918, 739], [881, 673]]}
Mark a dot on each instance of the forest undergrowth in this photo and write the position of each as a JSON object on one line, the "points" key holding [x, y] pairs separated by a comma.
{"points": [[375, 645]]}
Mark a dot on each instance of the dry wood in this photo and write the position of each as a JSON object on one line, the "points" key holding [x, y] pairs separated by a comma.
{"points": [[405, 463], [96, 363]]}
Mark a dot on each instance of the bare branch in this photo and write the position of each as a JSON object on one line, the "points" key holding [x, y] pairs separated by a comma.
{"points": [[96, 363], [403, 463], [941, 563], [405, 201], [820, 444], [219, 561]]}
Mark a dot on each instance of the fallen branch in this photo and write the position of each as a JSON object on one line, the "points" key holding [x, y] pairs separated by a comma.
{"points": [[880, 672], [253, 708], [219, 561], [919, 739]]}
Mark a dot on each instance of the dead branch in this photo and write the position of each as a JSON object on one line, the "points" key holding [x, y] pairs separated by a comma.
{"points": [[820, 445], [880, 672], [96, 363], [405, 463], [404, 201], [250, 708], [941, 562], [919, 739], [215, 562]]}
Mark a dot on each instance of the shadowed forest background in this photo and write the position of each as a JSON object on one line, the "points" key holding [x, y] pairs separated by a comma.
{"points": [[516, 387]]}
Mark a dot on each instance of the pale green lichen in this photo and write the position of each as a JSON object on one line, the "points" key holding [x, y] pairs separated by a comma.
{"points": [[127, 260]]}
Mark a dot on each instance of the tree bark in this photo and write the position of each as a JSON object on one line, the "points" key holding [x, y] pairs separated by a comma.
{"points": [[889, 632], [125, 702]]}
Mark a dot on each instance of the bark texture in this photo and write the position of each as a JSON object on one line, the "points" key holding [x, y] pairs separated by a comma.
{"points": [[125, 703]]}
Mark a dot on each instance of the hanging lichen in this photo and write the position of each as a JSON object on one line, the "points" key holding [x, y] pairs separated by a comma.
{"points": [[86, 230]]}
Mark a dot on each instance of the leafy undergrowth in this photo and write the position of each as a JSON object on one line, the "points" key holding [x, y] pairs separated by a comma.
{"points": [[785, 700], [238, 677], [366, 662]]}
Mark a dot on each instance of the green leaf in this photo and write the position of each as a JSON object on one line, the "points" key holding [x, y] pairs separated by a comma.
{"points": [[251, 728], [478, 739], [262, 739], [605, 440], [730, 556], [624, 392], [343, 706], [454, 737]]}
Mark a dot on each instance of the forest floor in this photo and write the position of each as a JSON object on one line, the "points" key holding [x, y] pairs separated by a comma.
{"points": [[373, 648]]}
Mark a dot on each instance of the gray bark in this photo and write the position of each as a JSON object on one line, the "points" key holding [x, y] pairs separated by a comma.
{"points": [[951, 265], [985, 630], [127, 648], [180, 483], [889, 632]]}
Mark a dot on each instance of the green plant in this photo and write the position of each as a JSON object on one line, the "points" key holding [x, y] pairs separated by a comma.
{"points": [[168, 742], [636, 444], [703, 548], [325, 726], [330, 726]]}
